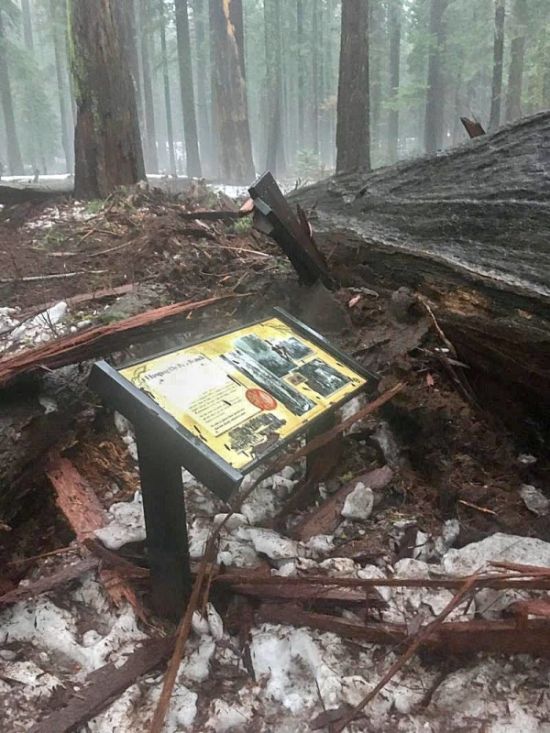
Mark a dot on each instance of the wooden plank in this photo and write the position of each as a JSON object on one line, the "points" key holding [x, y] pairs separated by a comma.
{"points": [[103, 686]]}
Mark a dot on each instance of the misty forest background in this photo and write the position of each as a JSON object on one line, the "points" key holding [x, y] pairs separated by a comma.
{"points": [[428, 62]]}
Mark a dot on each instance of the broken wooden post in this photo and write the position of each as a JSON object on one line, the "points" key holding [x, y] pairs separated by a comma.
{"points": [[472, 127], [273, 216]]}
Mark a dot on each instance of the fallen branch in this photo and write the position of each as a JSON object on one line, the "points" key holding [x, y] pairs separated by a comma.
{"points": [[96, 342], [102, 686], [53, 276], [414, 645], [262, 583], [452, 637], [50, 582]]}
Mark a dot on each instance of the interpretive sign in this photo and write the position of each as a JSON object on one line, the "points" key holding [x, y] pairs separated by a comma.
{"points": [[244, 392], [219, 408]]}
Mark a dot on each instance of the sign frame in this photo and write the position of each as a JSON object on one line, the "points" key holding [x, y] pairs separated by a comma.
{"points": [[165, 446]]}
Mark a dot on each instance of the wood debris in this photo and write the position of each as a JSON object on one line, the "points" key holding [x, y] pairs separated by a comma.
{"points": [[103, 686], [99, 341], [85, 514]]}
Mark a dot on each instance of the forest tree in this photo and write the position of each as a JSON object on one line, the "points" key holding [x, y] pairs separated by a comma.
{"points": [[107, 141]]}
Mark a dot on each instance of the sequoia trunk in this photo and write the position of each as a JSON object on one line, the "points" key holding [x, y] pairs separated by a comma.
{"points": [[352, 126], [107, 141], [469, 231], [230, 103]]}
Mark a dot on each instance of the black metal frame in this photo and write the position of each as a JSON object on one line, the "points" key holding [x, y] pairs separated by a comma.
{"points": [[165, 446]]}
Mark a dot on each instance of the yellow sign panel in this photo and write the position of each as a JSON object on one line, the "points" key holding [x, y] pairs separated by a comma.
{"points": [[243, 392]]}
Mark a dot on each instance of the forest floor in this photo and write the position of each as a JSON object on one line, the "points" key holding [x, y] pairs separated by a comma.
{"points": [[453, 501]]}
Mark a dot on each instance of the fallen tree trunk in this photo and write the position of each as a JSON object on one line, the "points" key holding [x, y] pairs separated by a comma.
{"points": [[469, 230], [12, 195]]}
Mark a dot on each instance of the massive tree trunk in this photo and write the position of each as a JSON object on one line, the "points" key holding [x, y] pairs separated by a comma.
{"points": [[58, 12], [231, 108], [107, 141], [435, 94], [187, 92], [394, 19], [517, 55], [352, 125], [498, 52], [151, 155], [470, 231], [15, 162]]}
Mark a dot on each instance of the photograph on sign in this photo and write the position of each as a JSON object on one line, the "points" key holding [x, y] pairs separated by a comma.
{"points": [[243, 392]]}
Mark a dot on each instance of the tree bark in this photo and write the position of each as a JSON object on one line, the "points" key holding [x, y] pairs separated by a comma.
{"points": [[316, 43], [203, 74], [435, 94], [517, 55], [187, 92], [470, 231], [27, 24], [394, 19], [15, 162], [301, 60], [167, 96], [275, 148], [58, 12], [151, 154], [27, 432], [498, 53], [352, 125], [107, 142], [231, 108]]}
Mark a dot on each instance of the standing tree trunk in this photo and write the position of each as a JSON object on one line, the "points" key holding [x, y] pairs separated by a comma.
{"points": [[498, 53], [187, 93], [435, 95], [58, 12], [128, 23], [231, 109], [275, 148], [395, 62], [27, 24], [107, 142], [352, 124], [202, 68], [34, 145], [315, 55], [15, 163], [167, 97], [517, 54], [151, 155], [301, 60]]}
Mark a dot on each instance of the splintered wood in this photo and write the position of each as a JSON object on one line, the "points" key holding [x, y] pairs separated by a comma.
{"points": [[85, 514], [96, 342]]}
